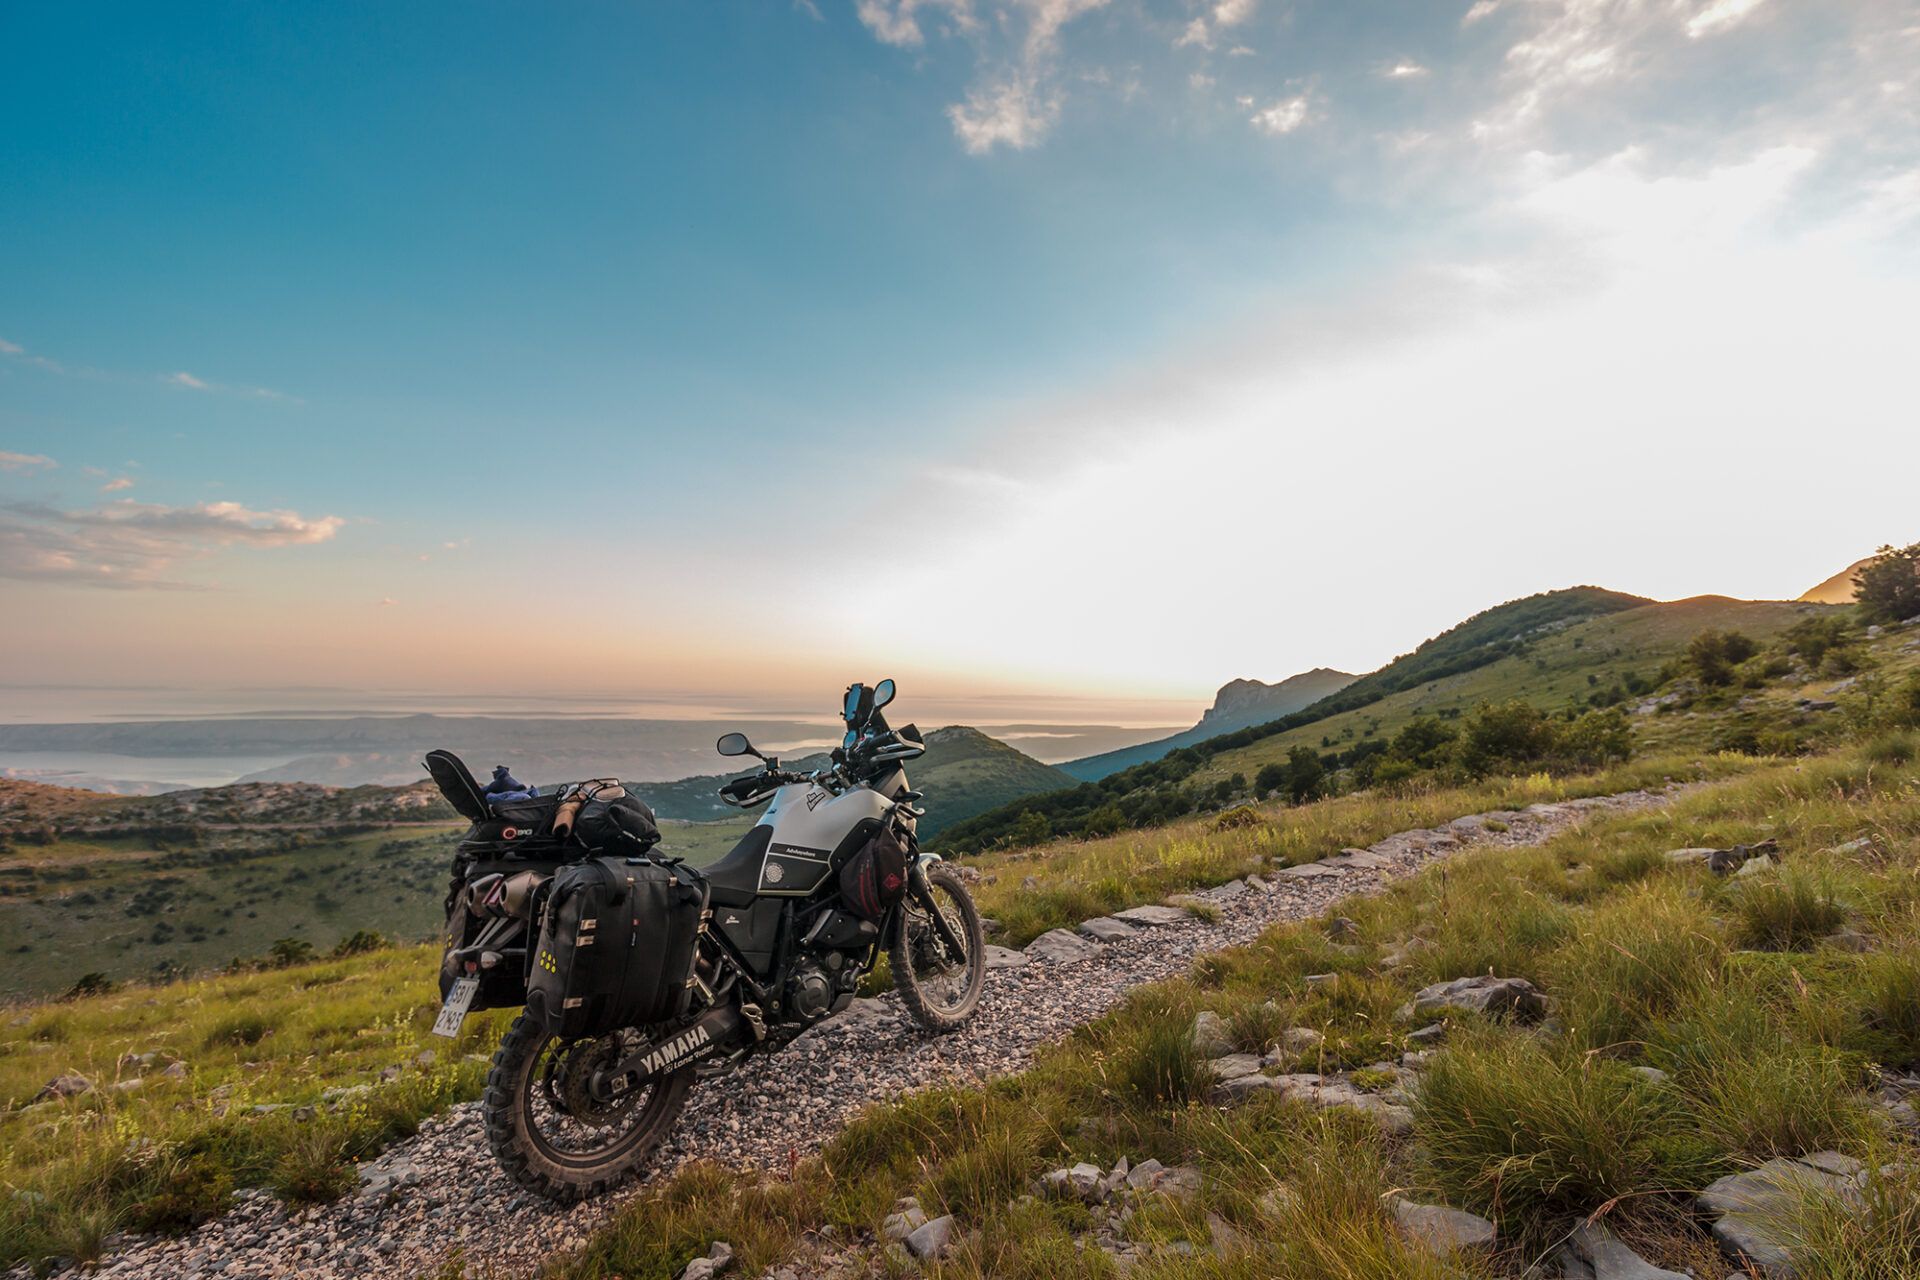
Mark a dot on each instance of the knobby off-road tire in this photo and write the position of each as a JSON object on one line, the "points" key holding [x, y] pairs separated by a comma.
{"points": [[940, 999], [518, 1111]]}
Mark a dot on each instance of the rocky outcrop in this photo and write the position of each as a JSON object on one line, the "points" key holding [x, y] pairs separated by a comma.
{"points": [[1494, 997]]}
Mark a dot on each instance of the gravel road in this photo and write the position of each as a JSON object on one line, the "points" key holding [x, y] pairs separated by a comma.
{"points": [[439, 1191]]}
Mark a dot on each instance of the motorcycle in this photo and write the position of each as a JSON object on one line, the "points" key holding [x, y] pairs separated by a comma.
{"points": [[790, 923]]}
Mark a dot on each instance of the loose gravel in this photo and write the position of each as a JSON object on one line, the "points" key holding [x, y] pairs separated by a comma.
{"points": [[439, 1193]]}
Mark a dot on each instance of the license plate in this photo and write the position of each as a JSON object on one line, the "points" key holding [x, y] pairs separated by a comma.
{"points": [[448, 1023]]}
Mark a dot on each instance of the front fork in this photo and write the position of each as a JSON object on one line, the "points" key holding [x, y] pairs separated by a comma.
{"points": [[922, 892]]}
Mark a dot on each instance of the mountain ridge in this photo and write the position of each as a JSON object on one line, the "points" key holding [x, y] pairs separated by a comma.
{"points": [[1238, 704]]}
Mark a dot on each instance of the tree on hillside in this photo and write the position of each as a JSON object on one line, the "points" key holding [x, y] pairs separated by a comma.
{"points": [[1304, 775], [1505, 733], [1888, 586], [1714, 654], [1270, 779]]}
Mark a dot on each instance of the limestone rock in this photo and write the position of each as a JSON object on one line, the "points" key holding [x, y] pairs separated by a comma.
{"points": [[1603, 1256], [1210, 1038], [1495, 997], [1757, 1209], [1061, 946], [1234, 1065], [997, 958], [1439, 1229], [1152, 917], [931, 1239], [70, 1084], [1106, 929]]}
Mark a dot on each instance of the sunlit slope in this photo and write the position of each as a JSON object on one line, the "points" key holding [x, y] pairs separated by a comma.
{"points": [[1554, 670]]}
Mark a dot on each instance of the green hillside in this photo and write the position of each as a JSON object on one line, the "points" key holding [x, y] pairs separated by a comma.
{"points": [[1483, 639], [1567, 666]]}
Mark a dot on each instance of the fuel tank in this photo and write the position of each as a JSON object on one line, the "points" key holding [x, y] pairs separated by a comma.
{"points": [[813, 831]]}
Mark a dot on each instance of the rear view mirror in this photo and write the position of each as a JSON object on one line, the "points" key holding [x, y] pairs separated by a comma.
{"points": [[882, 694], [735, 744]]}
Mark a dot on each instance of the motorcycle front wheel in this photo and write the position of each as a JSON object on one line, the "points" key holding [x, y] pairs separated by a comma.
{"points": [[939, 966], [550, 1134]]}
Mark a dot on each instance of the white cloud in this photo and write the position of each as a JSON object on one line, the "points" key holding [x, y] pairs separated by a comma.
{"points": [[18, 462], [134, 545], [1719, 15], [186, 380], [10, 348], [1008, 114], [1481, 9], [117, 485], [1201, 31], [1404, 71], [897, 22], [811, 9], [1284, 116], [386, 602], [1016, 97]]}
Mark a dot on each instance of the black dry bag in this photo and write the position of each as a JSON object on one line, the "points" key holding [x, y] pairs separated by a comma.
{"points": [[616, 946]]}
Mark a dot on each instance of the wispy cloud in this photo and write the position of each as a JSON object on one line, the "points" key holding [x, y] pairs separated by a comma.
{"points": [[129, 545], [9, 348], [1404, 70], [117, 485], [1283, 117], [1016, 98], [188, 382], [25, 462], [1201, 31], [1720, 15]]}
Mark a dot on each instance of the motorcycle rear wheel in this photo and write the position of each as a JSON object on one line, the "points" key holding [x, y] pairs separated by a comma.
{"points": [[549, 1136], [940, 992]]}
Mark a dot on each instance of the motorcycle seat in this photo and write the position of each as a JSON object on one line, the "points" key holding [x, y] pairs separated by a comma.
{"points": [[734, 881]]}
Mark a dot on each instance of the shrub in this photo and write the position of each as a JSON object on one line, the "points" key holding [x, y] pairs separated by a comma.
{"points": [[1239, 816], [1596, 739], [289, 951], [313, 1167], [1888, 586], [239, 1028], [1714, 654], [359, 942], [1507, 733], [89, 984]]}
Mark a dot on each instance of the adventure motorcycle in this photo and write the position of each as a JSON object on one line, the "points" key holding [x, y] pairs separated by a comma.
{"points": [[641, 975]]}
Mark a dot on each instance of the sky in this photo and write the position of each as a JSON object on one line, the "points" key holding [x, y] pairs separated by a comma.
{"points": [[1059, 349]]}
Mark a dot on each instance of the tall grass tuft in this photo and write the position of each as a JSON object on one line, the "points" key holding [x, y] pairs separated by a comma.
{"points": [[1789, 911], [1635, 959], [1893, 1002], [1529, 1133]]}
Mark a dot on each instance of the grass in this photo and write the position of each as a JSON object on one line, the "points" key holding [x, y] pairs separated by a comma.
{"points": [[256, 1046], [1075, 880], [1766, 1052]]}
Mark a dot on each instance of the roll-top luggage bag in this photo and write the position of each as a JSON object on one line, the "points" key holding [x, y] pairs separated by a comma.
{"points": [[616, 946]]}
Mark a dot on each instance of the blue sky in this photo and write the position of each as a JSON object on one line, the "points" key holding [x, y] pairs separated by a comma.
{"points": [[1047, 326]]}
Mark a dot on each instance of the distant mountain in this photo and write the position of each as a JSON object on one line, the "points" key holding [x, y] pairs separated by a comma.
{"points": [[964, 773], [1839, 588], [1239, 704]]}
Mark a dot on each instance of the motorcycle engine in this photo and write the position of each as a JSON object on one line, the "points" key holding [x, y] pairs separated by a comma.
{"points": [[810, 992]]}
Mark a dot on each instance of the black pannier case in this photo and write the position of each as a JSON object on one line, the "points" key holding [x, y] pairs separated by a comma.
{"points": [[616, 946]]}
